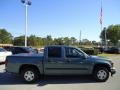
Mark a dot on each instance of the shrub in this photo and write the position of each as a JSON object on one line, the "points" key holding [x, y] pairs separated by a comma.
{"points": [[90, 51]]}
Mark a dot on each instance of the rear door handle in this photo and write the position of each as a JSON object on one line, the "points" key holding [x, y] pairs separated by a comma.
{"points": [[53, 62]]}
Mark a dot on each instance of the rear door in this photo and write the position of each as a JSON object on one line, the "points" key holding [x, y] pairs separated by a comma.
{"points": [[54, 63]]}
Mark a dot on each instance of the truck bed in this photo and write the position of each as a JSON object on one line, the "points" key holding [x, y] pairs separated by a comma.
{"points": [[14, 62]]}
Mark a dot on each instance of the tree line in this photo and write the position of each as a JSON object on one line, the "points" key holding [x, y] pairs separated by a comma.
{"points": [[112, 34], [33, 40]]}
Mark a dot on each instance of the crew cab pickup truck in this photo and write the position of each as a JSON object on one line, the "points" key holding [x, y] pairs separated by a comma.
{"points": [[59, 60]]}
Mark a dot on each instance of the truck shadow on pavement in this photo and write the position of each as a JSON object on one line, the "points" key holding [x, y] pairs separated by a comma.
{"points": [[65, 80], [11, 79]]}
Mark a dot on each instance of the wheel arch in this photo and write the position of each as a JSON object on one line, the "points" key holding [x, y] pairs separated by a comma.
{"points": [[101, 65], [24, 66]]}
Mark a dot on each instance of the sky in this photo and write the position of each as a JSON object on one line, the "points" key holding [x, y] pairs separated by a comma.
{"points": [[59, 18]]}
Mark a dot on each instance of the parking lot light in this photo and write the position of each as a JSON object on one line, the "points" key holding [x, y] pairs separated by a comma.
{"points": [[26, 3]]}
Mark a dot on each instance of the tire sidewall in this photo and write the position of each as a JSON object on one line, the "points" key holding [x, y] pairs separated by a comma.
{"points": [[97, 70], [34, 72]]}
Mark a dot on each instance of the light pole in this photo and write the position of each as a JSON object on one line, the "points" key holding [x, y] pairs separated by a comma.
{"points": [[26, 3]]}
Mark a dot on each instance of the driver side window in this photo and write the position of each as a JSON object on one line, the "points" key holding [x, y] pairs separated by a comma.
{"points": [[72, 53]]}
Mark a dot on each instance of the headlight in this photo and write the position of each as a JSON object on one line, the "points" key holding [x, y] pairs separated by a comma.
{"points": [[112, 64]]}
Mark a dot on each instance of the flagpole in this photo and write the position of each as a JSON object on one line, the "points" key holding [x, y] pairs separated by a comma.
{"points": [[105, 39], [101, 21], [101, 31]]}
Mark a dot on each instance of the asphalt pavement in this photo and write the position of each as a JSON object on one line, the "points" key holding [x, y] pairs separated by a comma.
{"points": [[14, 82]]}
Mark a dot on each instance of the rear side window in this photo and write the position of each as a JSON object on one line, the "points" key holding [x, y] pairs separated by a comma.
{"points": [[54, 52]]}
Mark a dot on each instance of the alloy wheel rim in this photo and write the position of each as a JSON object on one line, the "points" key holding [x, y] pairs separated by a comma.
{"points": [[102, 74], [29, 76]]}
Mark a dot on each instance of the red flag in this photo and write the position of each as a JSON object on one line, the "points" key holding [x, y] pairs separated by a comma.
{"points": [[101, 16]]}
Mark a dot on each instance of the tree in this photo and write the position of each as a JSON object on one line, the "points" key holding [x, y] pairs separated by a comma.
{"points": [[19, 41], [102, 36], [73, 41], [66, 41], [58, 41], [95, 43], [112, 34], [86, 42], [49, 40], [32, 40], [5, 37], [35, 41]]}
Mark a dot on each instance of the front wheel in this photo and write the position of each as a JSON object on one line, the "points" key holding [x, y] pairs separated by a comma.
{"points": [[101, 74], [29, 75]]}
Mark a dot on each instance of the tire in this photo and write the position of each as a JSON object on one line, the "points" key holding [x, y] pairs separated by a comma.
{"points": [[101, 74], [30, 75]]}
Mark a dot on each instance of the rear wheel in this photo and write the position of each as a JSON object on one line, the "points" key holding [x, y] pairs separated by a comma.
{"points": [[101, 74], [30, 75]]}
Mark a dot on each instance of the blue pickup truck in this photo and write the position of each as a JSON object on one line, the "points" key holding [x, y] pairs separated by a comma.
{"points": [[59, 60]]}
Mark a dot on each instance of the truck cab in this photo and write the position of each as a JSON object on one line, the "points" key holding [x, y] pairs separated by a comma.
{"points": [[64, 60]]}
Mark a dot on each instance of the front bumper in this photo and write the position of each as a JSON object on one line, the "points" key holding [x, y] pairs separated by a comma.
{"points": [[113, 71]]}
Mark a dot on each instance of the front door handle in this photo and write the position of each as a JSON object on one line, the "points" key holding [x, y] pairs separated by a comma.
{"points": [[68, 60], [81, 62], [59, 62], [52, 62]]}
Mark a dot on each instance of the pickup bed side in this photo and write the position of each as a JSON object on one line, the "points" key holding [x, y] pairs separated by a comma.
{"points": [[16, 62]]}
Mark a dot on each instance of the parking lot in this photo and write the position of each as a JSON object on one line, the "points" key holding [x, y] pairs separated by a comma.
{"points": [[14, 82]]}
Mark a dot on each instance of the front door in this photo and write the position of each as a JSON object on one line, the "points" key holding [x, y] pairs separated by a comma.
{"points": [[77, 63]]}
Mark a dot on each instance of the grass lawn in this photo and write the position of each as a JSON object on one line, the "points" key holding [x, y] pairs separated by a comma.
{"points": [[106, 55]]}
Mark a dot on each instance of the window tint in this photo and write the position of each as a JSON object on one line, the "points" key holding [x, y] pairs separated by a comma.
{"points": [[72, 52], [17, 50], [54, 52], [27, 49]]}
